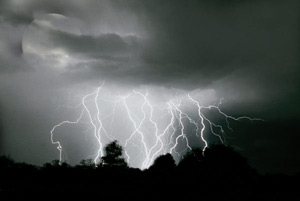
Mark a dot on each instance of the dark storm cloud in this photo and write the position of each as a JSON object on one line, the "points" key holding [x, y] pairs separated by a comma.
{"points": [[210, 39], [11, 48], [12, 26], [11, 16], [194, 38], [251, 46], [106, 46], [196, 42], [1, 130]]}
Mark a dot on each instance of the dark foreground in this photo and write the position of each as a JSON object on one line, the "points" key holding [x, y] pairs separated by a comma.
{"points": [[221, 174]]}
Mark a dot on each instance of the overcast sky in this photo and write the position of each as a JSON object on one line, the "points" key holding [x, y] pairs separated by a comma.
{"points": [[245, 51]]}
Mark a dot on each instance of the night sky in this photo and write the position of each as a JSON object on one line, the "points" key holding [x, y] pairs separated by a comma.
{"points": [[52, 53]]}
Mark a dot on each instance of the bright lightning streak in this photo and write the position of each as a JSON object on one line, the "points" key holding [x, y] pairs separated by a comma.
{"points": [[136, 130], [173, 136], [202, 121], [182, 133], [59, 147], [159, 137]]}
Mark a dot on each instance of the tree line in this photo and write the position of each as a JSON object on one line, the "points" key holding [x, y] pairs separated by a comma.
{"points": [[219, 169]]}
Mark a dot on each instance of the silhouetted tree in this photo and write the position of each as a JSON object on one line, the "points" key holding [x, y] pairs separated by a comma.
{"points": [[86, 163], [25, 166], [225, 157], [6, 162], [191, 160], [163, 162], [56, 164], [190, 167], [224, 164], [113, 155]]}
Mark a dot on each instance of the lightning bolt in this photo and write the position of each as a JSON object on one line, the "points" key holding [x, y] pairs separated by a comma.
{"points": [[162, 135], [171, 137], [182, 133], [137, 130], [58, 143], [96, 124]]}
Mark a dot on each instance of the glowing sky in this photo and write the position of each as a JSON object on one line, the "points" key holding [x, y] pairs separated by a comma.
{"points": [[52, 53]]}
